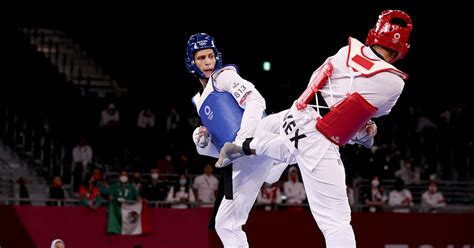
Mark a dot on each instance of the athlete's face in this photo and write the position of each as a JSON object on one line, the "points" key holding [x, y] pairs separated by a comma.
{"points": [[205, 60]]}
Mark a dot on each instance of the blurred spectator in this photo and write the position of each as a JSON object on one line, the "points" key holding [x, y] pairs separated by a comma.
{"points": [[424, 122], [172, 124], [183, 164], [407, 173], [109, 117], [137, 182], [56, 192], [145, 137], [109, 140], [293, 188], [24, 193], [432, 200], [123, 190], [205, 186], [193, 119], [146, 118], [181, 195], [165, 166], [375, 198], [269, 196], [172, 120], [400, 198], [82, 159], [101, 183], [155, 189], [89, 194]]}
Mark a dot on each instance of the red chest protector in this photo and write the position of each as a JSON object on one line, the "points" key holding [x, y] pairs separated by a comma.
{"points": [[349, 116], [346, 119]]}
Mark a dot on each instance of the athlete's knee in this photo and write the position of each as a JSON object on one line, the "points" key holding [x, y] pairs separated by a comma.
{"points": [[336, 229], [340, 236], [221, 224]]}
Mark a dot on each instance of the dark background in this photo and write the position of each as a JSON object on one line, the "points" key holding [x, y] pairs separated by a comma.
{"points": [[142, 46]]}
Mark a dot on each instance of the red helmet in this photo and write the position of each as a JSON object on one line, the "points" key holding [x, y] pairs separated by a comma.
{"points": [[392, 31]]}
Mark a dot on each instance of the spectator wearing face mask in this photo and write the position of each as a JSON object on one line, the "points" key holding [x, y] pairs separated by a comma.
{"points": [[122, 190], [432, 200], [374, 198], [155, 189], [181, 195]]}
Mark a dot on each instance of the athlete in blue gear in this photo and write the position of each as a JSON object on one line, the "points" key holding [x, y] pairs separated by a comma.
{"points": [[230, 108]]}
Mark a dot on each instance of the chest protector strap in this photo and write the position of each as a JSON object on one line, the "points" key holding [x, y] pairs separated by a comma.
{"points": [[314, 86], [346, 119]]}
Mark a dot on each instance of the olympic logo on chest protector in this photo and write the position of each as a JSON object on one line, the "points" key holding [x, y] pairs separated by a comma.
{"points": [[208, 112]]}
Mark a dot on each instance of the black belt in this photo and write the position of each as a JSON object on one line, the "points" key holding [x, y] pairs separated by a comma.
{"points": [[224, 188]]}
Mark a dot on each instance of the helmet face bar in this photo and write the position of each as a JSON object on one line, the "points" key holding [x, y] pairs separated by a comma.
{"points": [[198, 42], [392, 31]]}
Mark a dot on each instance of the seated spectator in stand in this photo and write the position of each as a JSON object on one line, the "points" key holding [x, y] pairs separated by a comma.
{"points": [[432, 200], [122, 190], [101, 183], [89, 194], [374, 198], [155, 189], [181, 195], [400, 198], [407, 173], [109, 117], [57, 192], [146, 118], [205, 187], [293, 188], [269, 196]]}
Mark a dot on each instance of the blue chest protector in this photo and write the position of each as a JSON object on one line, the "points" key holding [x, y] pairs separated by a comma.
{"points": [[220, 114]]}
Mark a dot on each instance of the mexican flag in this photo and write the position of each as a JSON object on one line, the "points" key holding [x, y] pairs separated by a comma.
{"points": [[128, 219]]}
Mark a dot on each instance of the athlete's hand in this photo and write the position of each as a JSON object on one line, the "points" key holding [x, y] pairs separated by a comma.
{"points": [[201, 136], [371, 129], [202, 131]]}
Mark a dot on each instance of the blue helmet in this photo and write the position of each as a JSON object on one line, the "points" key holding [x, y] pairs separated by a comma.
{"points": [[198, 42]]}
